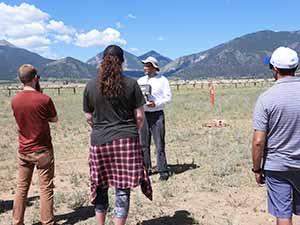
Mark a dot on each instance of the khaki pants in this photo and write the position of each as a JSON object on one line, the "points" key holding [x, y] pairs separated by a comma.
{"points": [[44, 162]]}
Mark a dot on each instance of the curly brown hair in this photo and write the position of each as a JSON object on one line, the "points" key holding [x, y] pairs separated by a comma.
{"points": [[110, 76]]}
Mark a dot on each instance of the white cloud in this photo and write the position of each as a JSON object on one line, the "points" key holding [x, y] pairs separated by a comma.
{"points": [[118, 25], [23, 14], [160, 38], [31, 42], [36, 44], [24, 30], [28, 27], [46, 52], [63, 38], [60, 28], [25, 27], [21, 21], [131, 16], [99, 38]]}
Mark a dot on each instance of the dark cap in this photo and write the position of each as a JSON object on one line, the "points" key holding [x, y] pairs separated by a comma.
{"points": [[114, 50]]}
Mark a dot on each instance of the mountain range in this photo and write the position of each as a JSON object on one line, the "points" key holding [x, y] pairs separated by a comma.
{"points": [[242, 56], [12, 57], [162, 60], [132, 63], [68, 68]]}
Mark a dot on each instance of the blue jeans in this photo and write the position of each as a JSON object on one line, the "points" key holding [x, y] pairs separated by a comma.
{"points": [[122, 202], [154, 125]]}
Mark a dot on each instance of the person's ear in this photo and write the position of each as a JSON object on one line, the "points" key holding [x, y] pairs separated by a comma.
{"points": [[276, 69]]}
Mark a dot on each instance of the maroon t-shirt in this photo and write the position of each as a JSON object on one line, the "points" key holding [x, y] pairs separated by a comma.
{"points": [[32, 110]]}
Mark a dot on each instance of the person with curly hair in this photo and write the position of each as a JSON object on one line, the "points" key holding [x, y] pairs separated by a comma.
{"points": [[113, 106]]}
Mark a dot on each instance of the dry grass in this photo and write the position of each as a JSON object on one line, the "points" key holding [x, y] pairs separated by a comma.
{"points": [[211, 182]]}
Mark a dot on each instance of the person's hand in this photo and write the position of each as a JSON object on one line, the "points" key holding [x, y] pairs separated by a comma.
{"points": [[259, 178], [150, 104], [90, 122]]}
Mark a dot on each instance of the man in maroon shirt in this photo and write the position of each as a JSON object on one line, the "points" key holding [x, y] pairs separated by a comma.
{"points": [[33, 111]]}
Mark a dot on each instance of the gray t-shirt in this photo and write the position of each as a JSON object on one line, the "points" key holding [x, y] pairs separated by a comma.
{"points": [[277, 112], [113, 118]]}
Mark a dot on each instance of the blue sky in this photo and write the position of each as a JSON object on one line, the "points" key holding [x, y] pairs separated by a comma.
{"points": [[82, 29]]}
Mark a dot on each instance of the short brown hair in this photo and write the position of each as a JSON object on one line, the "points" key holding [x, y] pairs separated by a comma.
{"points": [[287, 71], [26, 73]]}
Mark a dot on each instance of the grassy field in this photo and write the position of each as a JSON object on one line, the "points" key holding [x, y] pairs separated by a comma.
{"points": [[211, 182]]}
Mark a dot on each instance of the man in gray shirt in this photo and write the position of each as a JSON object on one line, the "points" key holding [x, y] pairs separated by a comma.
{"points": [[276, 138]]}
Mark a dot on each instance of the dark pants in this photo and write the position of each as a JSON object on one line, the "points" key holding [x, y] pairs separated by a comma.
{"points": [[154, 125]]}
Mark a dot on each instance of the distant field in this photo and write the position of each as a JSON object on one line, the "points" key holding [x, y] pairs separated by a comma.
{"points": [[211, 183]]}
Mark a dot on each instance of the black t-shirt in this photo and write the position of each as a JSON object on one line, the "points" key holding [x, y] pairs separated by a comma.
{"points": [[113, 118]]}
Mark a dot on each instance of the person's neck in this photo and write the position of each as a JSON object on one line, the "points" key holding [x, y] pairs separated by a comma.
{"points": [[280, 76], [152, 74], [28, 87]]}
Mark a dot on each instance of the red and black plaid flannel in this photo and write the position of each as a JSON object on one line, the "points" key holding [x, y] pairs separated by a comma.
{"points": [[118, 164]]}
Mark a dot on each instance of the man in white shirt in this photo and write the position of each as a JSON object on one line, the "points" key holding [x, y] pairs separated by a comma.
{"points": [[154, 116]]}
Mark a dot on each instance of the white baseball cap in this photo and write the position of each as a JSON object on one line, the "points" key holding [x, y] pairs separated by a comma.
{"points": [[284, 58], [153, 61]]}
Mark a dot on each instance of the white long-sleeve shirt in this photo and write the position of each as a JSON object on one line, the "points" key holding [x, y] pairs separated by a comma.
{"points": [[160, 91]]}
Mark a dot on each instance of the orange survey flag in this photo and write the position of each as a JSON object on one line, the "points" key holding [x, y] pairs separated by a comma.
{"points": [[212, 94]]}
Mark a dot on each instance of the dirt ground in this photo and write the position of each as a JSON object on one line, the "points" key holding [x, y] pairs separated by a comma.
{"points": [[236, 206], [211, 182]]}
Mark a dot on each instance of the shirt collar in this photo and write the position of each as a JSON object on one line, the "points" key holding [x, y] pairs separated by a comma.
{"points": [[288, 79]]}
